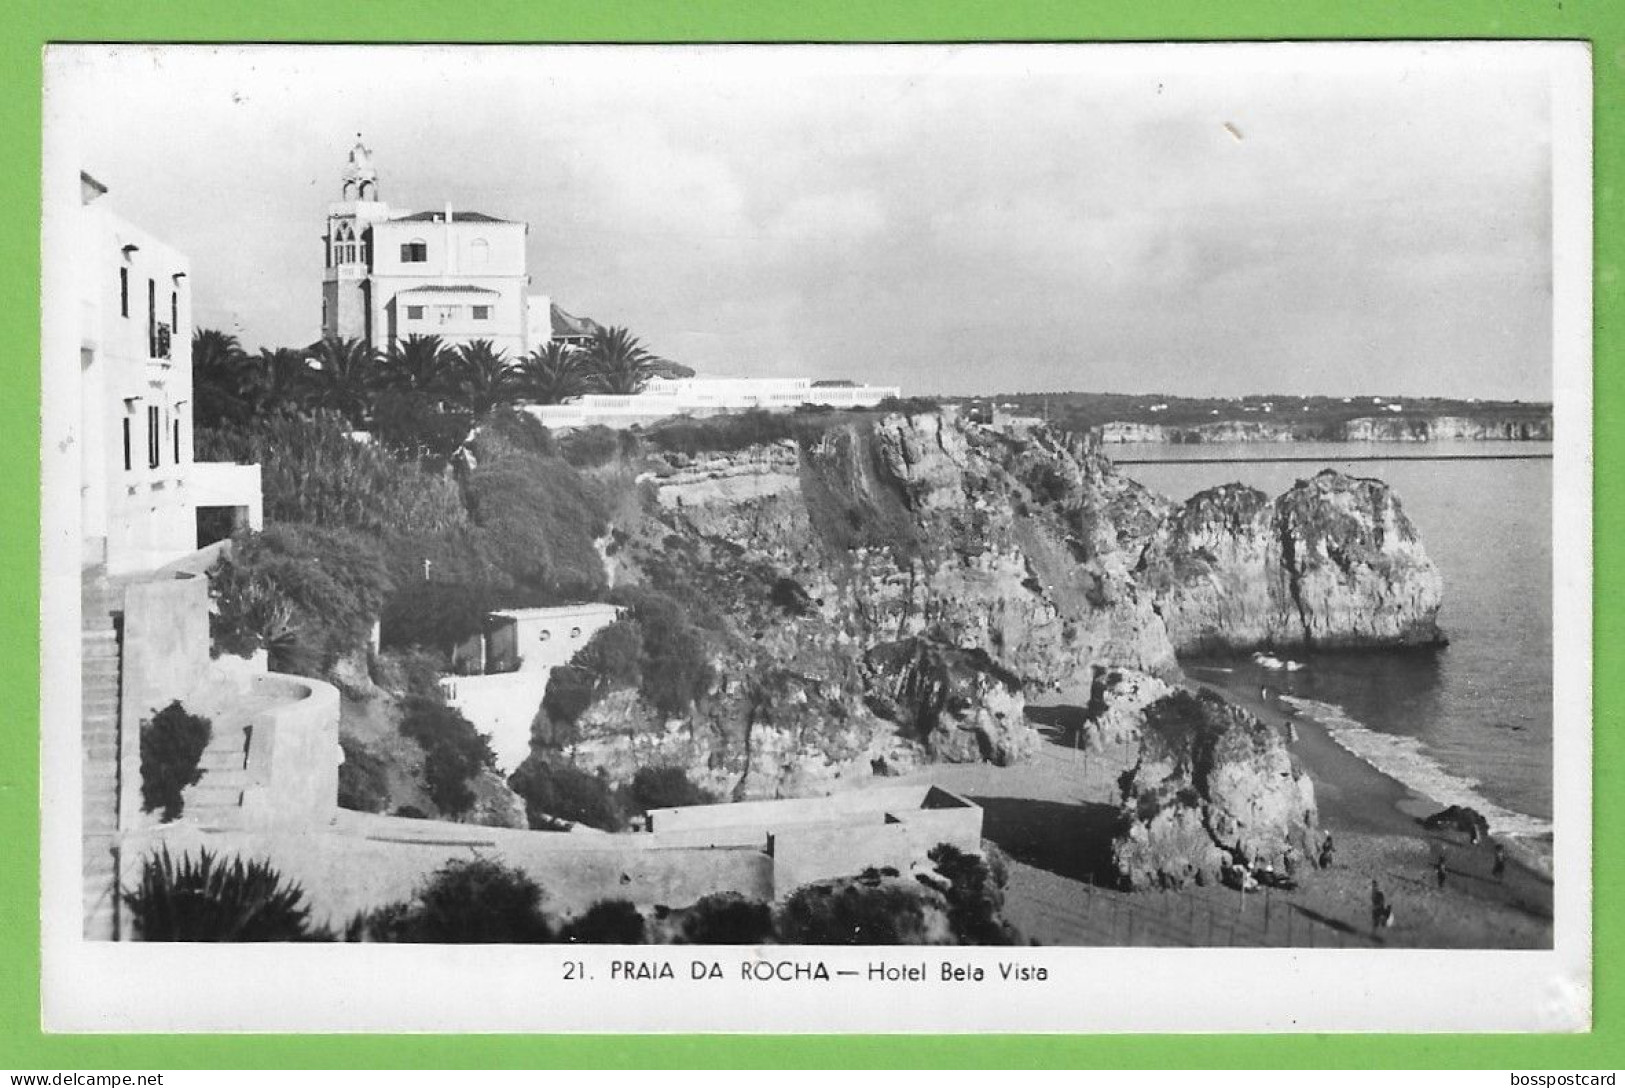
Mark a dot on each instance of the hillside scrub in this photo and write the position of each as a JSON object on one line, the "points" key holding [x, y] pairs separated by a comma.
{"points": [[172, 744], [555, 791], [306, 594], [363, 778], [538, 515], [665, 787], [454, 752], [312, 471]]}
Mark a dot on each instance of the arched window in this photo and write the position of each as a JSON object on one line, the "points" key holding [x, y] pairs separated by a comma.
{"points": [[344, 247], [414, 252], [479, 253]]}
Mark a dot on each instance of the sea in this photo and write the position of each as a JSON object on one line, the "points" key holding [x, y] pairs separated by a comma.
{"points": [[1470, 723]]}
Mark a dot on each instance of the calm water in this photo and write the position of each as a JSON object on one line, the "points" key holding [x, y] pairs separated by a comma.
{"points": [[1471, 723]]}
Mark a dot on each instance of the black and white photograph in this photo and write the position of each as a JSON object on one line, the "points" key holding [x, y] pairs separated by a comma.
{"points": [[909, 537]]}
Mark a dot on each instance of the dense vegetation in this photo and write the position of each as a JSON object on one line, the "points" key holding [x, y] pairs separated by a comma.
{"points": [[483, 901], [453, 752], [172, 744]]}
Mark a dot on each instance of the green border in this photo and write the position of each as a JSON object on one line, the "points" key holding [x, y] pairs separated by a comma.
{"points": [[24, 1046]]}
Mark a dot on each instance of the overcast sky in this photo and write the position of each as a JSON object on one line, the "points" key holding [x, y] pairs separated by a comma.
{"points": [[961, 219]]}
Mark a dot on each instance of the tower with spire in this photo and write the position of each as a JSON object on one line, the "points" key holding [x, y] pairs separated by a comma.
{"points": [[346, 312]]}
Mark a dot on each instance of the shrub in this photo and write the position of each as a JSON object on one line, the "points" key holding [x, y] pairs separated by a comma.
{"points": [[363, 778], [437, 614], [207, 900], [540, 518], [675, 671], [722, 433], [565, 793], [454, 752], [908, 406], [665, 787], [727, 918], [172, 743], [609, 921], [592, 447], [463, 902], [859, 912], [612, 658], [307, 594], [414, 425], [975, 896]]}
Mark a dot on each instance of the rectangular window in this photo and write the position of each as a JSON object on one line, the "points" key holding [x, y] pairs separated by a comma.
{"points": [[414, 313], [128, 463], [176, 427], [124, 291], [152, 318], [154, 446], [414, 252], [174, 312], [482, 313]]}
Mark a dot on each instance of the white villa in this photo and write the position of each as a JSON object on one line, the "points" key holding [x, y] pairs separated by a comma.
{"points": [[453, 273]]}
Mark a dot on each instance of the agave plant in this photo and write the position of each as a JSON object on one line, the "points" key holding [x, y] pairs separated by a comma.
{"points": [[619, 362], [207, 899], [481, 377], [554, 373]]}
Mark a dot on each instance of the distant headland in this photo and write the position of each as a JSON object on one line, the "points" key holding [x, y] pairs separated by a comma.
{"points": [[1125, 418]]}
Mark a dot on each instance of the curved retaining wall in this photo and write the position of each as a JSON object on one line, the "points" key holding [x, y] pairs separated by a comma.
{"points": [[293, 755]]}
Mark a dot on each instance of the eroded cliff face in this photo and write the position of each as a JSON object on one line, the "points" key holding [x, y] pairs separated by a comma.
{"points": [[1334, 562], [887, 591], [877, 595], [1213, 786]]}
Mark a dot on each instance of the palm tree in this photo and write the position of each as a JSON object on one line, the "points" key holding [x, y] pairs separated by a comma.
{"points": [[554, 373], [619, 363], [418, 364], [218, 379], [346, 375], [277, 378], [480, 378]]}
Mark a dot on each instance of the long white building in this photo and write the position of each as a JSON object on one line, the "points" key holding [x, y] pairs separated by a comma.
{"points": [[667, 397]]}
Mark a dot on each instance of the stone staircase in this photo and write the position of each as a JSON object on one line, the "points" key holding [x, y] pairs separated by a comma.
{"points": [[99, 680], [217, 798]]}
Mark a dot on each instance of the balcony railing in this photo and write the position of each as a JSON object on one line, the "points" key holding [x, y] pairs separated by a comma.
{"points": [[158, 342]]}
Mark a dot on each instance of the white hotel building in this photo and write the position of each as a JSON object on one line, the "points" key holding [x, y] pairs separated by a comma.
{"points": [[667, 397], [144, 500]]}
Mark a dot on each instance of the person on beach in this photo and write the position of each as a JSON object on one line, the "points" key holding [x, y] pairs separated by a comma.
{"points": [[1438, 870], [1326, 855], [1499, 869]]}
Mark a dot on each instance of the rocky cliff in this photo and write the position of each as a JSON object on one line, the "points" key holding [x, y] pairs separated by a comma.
{"points": [[1333, 562], [875, 592], [1213, 787], [872, 594]]}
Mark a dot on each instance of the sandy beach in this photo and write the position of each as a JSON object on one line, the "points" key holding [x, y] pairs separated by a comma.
{"points": [[1375, 821], [1054, 816]]}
